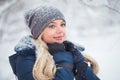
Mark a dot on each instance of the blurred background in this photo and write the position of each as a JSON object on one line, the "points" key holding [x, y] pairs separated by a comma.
{"points": [[94, 24]]}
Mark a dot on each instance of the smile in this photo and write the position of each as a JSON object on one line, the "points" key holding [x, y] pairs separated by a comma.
{"points": [[58, 37]]}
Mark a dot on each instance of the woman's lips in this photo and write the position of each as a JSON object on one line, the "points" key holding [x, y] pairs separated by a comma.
{"points": [[58, 38]]}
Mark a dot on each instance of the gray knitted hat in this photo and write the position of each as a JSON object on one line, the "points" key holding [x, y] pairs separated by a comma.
{"points": [[38, 18]]}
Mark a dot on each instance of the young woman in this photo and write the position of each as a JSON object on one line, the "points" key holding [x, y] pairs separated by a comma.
{"points": [[47, 55]]}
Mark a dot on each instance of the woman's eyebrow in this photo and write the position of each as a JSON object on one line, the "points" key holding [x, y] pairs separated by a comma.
{"points": [[63, 22], [52, 23], [55, 22]]}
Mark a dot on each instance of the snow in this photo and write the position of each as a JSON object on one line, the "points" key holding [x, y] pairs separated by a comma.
{"points": [[90, 23]]}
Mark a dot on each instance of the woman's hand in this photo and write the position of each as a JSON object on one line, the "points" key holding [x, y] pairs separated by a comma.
{"points": [[61, 57], [63, 60]]}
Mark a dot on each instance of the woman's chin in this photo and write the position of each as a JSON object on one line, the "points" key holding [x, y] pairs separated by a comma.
{"points": [[60, 41]]}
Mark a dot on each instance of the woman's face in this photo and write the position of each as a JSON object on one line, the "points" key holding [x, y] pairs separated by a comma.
{"points": [[55, 32]]}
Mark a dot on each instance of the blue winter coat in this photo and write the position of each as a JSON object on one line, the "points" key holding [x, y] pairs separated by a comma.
{"points": [[23, 60]]}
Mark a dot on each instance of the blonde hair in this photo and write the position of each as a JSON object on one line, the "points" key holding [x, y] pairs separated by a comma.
{"points": [[93, 62], [44, 67]]}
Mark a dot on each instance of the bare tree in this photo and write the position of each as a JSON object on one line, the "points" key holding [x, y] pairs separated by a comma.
{"points": [[14, 5]]}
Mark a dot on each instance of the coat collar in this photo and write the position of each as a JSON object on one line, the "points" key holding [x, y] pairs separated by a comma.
{"points": [[25, 44]]}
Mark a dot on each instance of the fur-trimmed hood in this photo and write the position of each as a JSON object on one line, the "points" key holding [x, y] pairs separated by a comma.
{"points": [[27, 44]]}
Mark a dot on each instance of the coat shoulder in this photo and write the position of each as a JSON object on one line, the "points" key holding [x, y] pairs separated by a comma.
{"points": [[24, 50]]}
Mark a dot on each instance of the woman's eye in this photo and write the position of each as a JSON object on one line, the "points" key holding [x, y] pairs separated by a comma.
{"points": [[63, 24], [51, 26]]}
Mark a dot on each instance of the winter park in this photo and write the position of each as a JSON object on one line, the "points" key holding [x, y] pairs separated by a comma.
{"points": [[93, 24]]}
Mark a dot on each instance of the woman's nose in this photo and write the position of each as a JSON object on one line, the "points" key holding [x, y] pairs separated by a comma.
{"points": [[59, 29]]}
